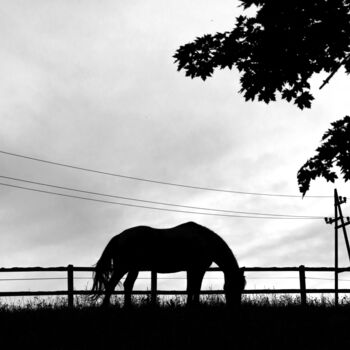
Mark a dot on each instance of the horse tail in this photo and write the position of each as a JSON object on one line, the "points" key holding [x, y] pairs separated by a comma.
{"points": [[103, 270]]}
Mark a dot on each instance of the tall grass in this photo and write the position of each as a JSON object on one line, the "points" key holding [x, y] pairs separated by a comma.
{"points": [[172, 301], [263, 322]]}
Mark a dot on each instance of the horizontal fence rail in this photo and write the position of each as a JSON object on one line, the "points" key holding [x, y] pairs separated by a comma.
{"points": [[153, 292]]}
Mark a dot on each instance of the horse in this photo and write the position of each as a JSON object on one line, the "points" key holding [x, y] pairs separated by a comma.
{"points": [[187, 247]]}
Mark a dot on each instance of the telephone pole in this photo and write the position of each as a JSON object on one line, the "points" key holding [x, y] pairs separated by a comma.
{"points": [[338, 217]]}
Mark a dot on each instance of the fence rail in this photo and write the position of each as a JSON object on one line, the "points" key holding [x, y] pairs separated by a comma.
{"points": [[70, 291]]}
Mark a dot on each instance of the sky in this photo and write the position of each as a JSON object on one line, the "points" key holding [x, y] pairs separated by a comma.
{"points": [[94, 85]]}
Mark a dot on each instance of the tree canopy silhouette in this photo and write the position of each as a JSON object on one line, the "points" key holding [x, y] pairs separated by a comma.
{"points": [[334, 150], [278, 49]]}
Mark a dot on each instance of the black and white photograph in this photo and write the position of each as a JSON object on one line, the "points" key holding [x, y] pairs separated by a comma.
{"points": [[174, 174]]}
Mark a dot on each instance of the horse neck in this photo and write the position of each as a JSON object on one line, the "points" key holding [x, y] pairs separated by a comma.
{"points": [[225, 259]]}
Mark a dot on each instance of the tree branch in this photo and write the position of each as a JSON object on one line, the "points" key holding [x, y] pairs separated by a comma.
{"points": [[325, 82]]}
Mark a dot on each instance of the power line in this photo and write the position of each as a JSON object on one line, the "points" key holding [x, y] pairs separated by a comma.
{"points": [[156, 181], [155, 208], [159, 203]]}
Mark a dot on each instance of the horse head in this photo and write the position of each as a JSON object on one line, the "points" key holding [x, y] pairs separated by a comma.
{"points": [[234, 286]]}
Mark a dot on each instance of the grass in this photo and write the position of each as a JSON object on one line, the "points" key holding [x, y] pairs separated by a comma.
{"points": [[263, 322]]}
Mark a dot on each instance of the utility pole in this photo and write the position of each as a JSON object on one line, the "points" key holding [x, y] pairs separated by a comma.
{"points": [[338, 216]]}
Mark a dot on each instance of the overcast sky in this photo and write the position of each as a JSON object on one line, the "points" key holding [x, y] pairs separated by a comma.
{"points": [[94, 84]]}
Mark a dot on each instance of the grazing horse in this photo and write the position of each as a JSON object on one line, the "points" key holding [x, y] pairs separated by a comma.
{"points": [[188, 247]]}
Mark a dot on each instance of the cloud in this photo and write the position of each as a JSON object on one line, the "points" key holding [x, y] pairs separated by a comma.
{"points": [[309, 245], [94, 85]]}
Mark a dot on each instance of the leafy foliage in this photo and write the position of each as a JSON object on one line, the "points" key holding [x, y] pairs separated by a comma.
{"points": [[278, 49], [335, 150]]}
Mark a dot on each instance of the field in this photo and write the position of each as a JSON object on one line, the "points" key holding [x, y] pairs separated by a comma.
{"points": [[280, 323]]}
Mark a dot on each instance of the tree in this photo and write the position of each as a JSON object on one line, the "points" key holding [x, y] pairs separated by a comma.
{"points": [[278, 49], [335, 150]]}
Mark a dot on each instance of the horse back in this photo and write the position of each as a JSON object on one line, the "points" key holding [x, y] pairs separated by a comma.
{"points": [[168, 250]]}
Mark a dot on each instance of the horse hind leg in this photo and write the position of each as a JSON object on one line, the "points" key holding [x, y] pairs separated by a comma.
{"points": [[113, 281], [128, 286]]}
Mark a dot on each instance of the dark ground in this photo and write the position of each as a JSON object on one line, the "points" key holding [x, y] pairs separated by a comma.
{"points": [[206, 327]]}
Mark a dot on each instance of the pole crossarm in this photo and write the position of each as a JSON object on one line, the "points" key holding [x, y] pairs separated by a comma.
{"points": [[330, 220], [344, 224]]}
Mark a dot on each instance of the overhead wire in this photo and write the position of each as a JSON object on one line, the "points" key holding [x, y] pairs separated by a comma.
{"points": [[157, 208], [155, 181], [158, 203]]}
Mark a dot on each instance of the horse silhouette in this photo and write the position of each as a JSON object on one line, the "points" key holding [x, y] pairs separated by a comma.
{"points": [[188, 247]]}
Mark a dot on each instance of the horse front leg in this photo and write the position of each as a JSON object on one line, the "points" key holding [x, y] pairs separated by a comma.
{"points": [[194, 283], [128, 285], [111, 284]]}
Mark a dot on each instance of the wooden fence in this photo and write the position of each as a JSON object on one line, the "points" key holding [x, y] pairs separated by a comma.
{"points": [[153, 292]]}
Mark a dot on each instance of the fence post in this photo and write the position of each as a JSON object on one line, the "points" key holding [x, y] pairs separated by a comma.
{"points": [[70, 283], [153, 287], [302, 285]]}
